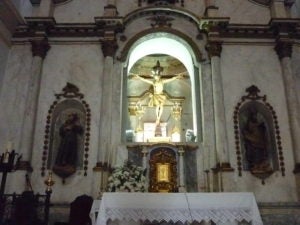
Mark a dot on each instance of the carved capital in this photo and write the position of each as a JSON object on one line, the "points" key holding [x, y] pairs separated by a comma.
{"points": [[284, 49], [24, 165], [213, 26], [40, 47], [223, 167], [109, 48], [214, 48], [297, 168]]}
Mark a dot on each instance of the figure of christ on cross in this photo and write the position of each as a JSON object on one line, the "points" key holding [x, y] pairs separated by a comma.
{"points": [[158, 98]]}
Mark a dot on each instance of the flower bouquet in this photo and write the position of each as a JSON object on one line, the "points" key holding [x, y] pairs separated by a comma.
{"points": [[127, 178]]}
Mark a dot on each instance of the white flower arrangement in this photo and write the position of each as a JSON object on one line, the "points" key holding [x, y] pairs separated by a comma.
{"points": [[127, 178]]}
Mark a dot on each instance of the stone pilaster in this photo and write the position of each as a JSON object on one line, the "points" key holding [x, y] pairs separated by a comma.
{"points": [[144, 152], [109, 48], [40, 47], [214, 49], [283, 49], [181, 170]]}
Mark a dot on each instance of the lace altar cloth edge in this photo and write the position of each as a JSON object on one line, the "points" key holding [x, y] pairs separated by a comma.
{"points": [[179, 207]]}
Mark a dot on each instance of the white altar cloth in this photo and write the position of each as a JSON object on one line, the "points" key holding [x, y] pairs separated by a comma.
{"points": [[179, 207]]}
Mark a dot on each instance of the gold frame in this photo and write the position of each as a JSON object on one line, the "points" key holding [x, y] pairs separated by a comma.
{"points": [[163, 170]]}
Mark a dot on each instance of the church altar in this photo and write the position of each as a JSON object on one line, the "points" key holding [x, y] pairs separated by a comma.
{"points": [[221, 208]]}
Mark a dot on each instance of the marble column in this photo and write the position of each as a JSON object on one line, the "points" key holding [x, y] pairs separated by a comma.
{"points": [[144, 152], [181, 170], [40, 47], [284, 51], [214, 49], [109, 48]]}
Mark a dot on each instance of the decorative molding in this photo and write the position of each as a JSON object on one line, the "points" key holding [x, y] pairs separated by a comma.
{"points": [[161, 2], [40, 26], [161, 21], [60, 2], [253, 95], [262, 2], [35, 2], [70, 91], [287, 3], [213, 27], [40, 47], [185, 37], [171, 11]]}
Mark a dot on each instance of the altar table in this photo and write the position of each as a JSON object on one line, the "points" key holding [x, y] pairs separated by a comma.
{"points": [[221, 208]]}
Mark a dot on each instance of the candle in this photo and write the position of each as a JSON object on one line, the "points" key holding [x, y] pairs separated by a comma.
{"points": [[9, 146], [6, 156]]}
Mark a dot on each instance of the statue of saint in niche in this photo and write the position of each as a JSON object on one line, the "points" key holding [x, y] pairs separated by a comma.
{"points": [[256, 143], [157, 98], [66, 158]]}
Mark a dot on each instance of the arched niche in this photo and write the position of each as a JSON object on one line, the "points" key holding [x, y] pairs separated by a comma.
{"points": [[161, 45], [69, 112], [258, 141]]}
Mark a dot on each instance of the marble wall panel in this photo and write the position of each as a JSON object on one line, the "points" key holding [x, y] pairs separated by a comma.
{"points": [[24, 7], [296, 67], [76, 11], [190, 171], [243, 66], [295, 9], [4, 50], [13, 95], [81, 65], [243, 11]]}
